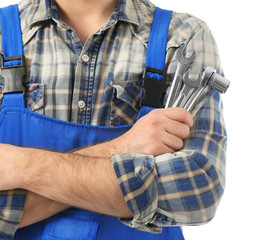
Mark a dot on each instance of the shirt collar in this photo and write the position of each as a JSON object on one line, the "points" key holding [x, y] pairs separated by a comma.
{"points": [[34, 14], [131, 11], [40, 11], [44, 10]]}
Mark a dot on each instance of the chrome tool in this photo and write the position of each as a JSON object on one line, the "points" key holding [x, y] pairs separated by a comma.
{"points": [[184, 91]]}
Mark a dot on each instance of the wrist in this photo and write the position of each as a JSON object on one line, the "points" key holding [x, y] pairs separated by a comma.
{"points": [[104, 150], [116, 146]]}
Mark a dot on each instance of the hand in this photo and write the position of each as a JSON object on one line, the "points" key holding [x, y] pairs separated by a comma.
{"points": [[161, 131]]}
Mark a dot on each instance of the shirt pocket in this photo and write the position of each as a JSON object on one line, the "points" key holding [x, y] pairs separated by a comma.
{"points": [[125, 102], [34, 97]]}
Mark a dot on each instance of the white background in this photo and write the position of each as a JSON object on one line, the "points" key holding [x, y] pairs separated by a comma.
{"points": [[244, 31]]}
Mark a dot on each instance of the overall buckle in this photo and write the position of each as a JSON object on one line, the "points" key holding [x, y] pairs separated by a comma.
{"points": [[153, 89], [13, 76]]}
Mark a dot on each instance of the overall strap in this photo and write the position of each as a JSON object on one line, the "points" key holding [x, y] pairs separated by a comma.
{"points": [[154, 73], [13, 64], [13, 69]]}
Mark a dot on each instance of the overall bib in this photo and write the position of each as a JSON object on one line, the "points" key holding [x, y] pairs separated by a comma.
{"points": [[22, 127]]}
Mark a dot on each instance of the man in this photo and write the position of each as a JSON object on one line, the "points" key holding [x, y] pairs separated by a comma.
{"points": [[85, 61]]}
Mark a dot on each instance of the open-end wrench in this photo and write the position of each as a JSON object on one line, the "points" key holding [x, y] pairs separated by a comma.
{"points": [[185, 91], [209, 78], [182, 68], [188, 89]]}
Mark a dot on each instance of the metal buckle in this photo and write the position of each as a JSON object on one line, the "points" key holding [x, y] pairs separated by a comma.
{"points": [[153, 89], [13, 76]]}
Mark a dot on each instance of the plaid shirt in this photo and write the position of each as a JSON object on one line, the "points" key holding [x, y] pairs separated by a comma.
{"points": [[99, 83]]}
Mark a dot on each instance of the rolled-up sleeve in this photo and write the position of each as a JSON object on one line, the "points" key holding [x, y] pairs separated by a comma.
{"points": [[183, 188], [11, 210]]}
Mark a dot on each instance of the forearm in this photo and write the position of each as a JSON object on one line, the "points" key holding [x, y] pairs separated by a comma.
{"points": [[38, 208], [86, 178], [75, 180]]}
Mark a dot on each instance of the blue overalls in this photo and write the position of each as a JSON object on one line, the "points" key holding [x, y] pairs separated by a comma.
{"points": [[22, 127]]}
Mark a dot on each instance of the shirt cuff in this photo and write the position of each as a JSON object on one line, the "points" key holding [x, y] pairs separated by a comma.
{"points": [[11, 211], [137, 177]]}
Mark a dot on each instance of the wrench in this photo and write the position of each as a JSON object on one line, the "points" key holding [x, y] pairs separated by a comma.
{"points": [[209, 78], [177, 83], [188, 89], [184, 91]]}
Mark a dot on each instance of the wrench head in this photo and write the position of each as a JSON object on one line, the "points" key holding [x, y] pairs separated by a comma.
{"points": [[192, 83], [181, 56], [214, 80]]}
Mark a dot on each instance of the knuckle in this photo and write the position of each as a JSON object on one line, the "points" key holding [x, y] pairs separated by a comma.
{"points": [[187, 116], [155, 112], [154, 135], [190, 119], [185, 131], [153, 121], [179, 144]]}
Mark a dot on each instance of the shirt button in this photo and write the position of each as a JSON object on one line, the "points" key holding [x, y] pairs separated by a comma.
{"points": [[85, 58], [81, 104]]}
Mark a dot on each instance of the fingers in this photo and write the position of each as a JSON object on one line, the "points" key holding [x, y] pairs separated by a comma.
{"points": [[177, 129], [159, 132], [172, 142], [176, 114], [176, 126], [159, 149], [180, 115], [175, 121]]}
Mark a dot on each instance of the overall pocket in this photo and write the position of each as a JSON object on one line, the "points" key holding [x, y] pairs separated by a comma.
{"points": [[73, 224]]}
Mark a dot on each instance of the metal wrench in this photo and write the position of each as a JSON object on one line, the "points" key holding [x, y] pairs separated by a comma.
{"points": [[184, 91], [182, 69], [188, 89], [209, 78]]}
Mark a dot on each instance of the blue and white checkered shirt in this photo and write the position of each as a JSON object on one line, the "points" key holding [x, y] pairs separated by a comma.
{"points": [[99, 83]]}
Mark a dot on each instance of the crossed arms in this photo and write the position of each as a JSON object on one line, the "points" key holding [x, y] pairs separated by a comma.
{"points": [[86, 178]]}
